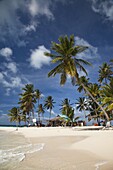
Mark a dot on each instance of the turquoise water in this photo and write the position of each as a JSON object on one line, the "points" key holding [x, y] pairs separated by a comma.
{"points": [[14, 148]]}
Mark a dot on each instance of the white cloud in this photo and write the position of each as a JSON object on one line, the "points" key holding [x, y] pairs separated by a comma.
{"points": [[38, 59], [14, 82], [40, 7], [11, 25], [6, 52], [12, 67], [104, 8], [90, 53]]}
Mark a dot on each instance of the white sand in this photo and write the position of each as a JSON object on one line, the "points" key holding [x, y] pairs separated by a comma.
{"points": [[67, 148], [98, 142]]}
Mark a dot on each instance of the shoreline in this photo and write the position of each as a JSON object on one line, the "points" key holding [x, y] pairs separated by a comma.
{"points": [[65, 147]]}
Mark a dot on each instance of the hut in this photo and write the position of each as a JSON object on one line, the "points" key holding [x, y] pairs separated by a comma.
{"points": [[57, 121]]}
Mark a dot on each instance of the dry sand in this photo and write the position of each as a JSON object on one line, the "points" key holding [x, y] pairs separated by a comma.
{"points": [[68, 149]]}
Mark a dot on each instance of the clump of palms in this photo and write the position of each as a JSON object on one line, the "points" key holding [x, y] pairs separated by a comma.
{"points": [[65, 55], [27, 99], [105, 73]]}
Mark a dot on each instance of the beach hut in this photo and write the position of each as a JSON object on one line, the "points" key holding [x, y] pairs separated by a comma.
{"points": [[57, 121]]}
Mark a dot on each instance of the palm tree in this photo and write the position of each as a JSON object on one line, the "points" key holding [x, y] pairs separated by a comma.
{"points": [[105, 72], [68, 63], [65, 56], [28, 99], [49, 104], [24, 118], [82, 105], [38, 95], [107, 96], [82, 80], [95, 112], [67, 109], [65, 106], [40, 110], [71, 115], [14, 116]]}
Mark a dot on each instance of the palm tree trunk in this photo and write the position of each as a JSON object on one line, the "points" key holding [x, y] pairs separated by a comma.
{"points": [[106, 115], [50, 114]]}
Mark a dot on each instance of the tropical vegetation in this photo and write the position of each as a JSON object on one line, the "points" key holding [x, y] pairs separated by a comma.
{"points": [[96, 99]]}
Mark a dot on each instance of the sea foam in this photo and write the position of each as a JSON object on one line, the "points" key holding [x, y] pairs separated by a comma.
{"points": [[18, 153]]}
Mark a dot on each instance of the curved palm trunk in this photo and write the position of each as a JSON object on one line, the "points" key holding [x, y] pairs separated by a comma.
{"points": [[107, 117]]}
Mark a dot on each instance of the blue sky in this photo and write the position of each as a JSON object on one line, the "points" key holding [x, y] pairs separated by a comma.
{"points": [[27, 28]]}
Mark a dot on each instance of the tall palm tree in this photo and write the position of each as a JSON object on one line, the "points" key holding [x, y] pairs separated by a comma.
{"points": [[94, 110], [14, 116], [38, 95], [68, 63], [24, 118], [65, 106], [27, 99], [81, 105], [105, 73], [49, 104], [67, 109], [40, 110]]}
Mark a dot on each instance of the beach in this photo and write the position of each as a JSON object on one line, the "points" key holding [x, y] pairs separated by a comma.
{"points": [[63, 148]]}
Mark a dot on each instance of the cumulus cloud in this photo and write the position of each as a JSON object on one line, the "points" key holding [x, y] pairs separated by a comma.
{"points": [[90, 53], [6, 52], [104, 8], [38, 59]]}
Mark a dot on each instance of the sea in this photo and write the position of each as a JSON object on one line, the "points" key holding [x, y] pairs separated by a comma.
{"points": [[14, 148]]}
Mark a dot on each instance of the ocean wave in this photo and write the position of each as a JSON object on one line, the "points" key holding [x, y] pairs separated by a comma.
{"points": [[18, 153]]}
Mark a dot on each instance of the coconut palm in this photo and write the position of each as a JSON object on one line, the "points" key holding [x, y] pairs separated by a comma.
{"points": [[94, 110], [68, 63], [40, 110], [67, 109], [65, 56], [14, 116], [38, 95], [65, 106], [105, 73], [49, 104], [82, 80], [27, 99], [94, 90], [24, 118], [82, 105]]}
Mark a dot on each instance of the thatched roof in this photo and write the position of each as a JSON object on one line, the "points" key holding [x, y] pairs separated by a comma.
{"points": [[58, 118]]}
